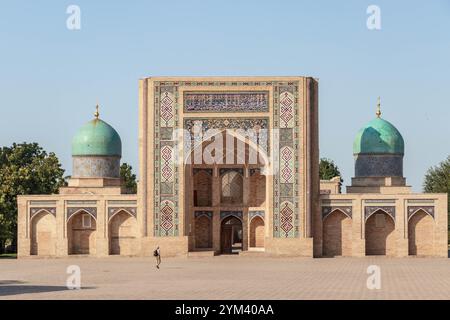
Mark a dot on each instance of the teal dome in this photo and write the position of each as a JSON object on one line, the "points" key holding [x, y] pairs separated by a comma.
{"points": [[97, 138], [379, 137]]}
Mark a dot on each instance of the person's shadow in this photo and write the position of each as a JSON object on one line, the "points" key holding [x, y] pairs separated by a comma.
{"points": [[14, 287]]}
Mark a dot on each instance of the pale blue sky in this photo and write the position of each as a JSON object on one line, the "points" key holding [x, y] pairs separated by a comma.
{"points": [[51, 78]]}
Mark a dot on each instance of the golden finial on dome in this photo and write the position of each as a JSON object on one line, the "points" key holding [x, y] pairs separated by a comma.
{"points": [[97, 113], [378, 108]]}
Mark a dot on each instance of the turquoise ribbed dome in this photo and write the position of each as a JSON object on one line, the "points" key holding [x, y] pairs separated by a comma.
{"points": [[379, 137], [97, 138]]}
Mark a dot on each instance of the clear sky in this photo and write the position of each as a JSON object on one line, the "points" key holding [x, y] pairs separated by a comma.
{"points": [[52, 77]]}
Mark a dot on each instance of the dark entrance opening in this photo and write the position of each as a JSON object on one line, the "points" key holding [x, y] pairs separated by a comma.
{"points": [[231, 235]]}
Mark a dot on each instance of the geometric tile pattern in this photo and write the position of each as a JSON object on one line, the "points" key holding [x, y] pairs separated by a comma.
{"points": [[226, 214], [167, 221], [34, 211], [257, 213], [286, 219], [114, 210], [167, 109], [167, 164], [413, 209], [165, 206], [328, 210], [368, 211], [73, 210], [208, 214], [286, 110], [287, 165]]}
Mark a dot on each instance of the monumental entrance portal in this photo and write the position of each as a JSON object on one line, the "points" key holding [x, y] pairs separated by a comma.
{"points": [[229, 164]]}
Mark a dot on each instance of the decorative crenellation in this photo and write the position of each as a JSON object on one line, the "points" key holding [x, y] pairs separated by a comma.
{"points": [[226, 214], [369, 210], [73, 210], [112, 211], [252, 101], [347, 210], [413, 209], [208, 214], [36, 210]]}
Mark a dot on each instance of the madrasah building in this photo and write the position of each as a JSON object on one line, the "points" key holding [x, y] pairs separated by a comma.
{"points": [[231, 165]]}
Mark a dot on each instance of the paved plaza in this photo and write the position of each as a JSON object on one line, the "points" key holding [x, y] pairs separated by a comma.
{"points": [[226, 277]]}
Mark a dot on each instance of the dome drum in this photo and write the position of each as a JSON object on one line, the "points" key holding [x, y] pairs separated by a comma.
{"points": [[381, 165], [96, 167]]}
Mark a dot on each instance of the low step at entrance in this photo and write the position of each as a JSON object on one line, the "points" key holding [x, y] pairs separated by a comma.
{"points": [[203, 253], [253, 253]]}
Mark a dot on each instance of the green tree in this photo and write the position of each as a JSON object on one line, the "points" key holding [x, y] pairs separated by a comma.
{"points": [[128, 178], [24, 169], [437, 180], [328, 169]]}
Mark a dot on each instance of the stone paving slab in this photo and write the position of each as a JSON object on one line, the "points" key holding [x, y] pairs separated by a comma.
{"points": [[226, 277]]}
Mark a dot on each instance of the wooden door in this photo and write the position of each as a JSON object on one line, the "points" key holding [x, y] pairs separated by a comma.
{"points": [[226, 239]]}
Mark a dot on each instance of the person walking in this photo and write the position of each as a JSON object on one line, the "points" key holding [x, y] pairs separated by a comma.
{"points": [[157, 255]]}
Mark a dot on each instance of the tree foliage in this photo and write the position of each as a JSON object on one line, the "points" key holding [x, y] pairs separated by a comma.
{"points": [[437, 178], [128, 178], [328, 169], [24, 169]]}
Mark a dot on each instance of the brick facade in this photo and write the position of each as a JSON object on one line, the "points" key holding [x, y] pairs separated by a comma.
{"points": [[282, 206]]}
